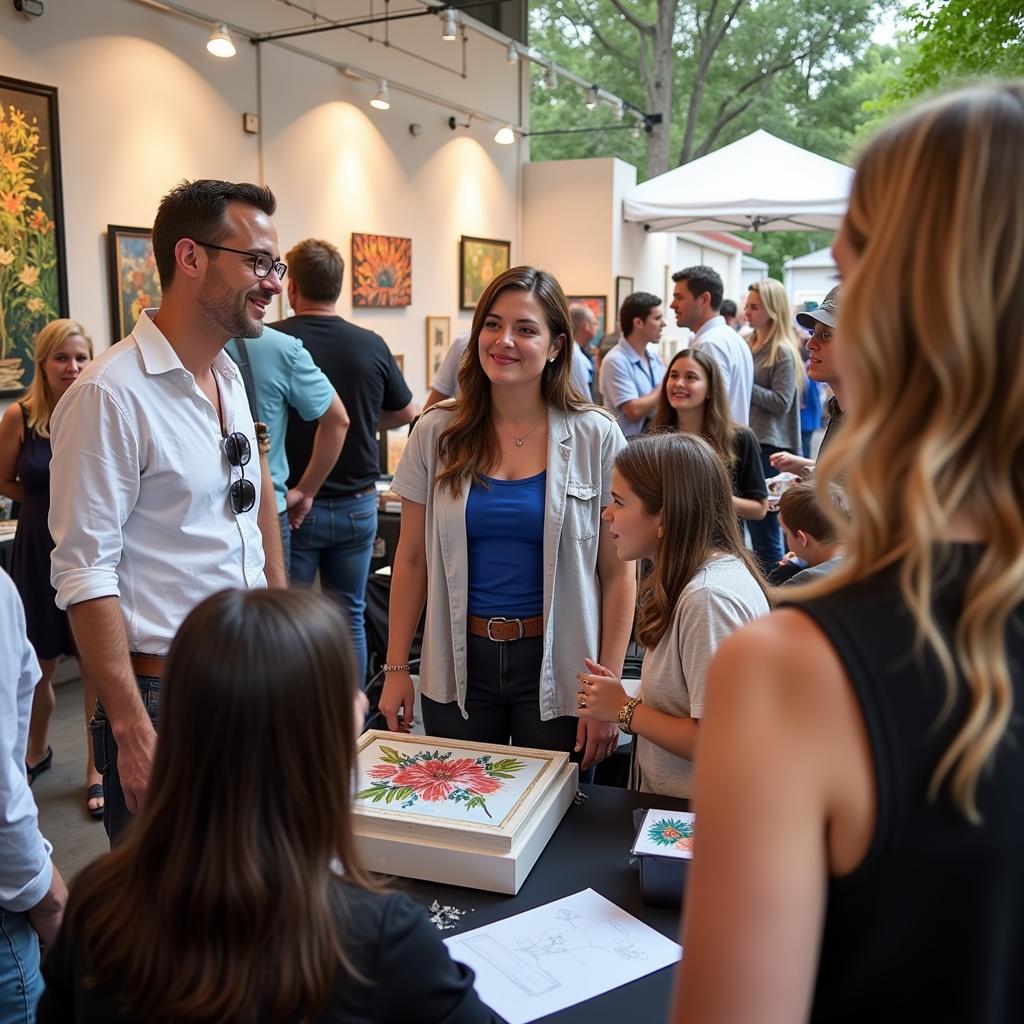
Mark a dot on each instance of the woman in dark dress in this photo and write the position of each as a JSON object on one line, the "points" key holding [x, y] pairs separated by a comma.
{"points": [[62, 349], [238, 894], [693, 400]]}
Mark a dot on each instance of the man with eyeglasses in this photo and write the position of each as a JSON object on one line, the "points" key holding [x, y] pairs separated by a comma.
{"points": [[157, 497]]}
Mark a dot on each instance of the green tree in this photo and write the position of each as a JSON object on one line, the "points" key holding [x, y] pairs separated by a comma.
{"points": [[714, 69]]}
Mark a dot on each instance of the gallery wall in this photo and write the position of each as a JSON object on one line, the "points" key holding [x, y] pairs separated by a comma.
{"points": [[143, 105]]}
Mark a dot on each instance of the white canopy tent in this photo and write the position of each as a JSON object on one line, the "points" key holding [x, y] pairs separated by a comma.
{"points": [[757, 183]]}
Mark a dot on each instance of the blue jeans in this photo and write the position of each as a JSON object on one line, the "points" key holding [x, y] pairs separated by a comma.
{"points": [[116, 816], [20, 981], [765, 534], [286, 542], [336, 538]]}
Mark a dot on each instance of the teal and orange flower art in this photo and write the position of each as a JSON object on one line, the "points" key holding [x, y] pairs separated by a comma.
{"points": [[672, 832], [437, 777]]}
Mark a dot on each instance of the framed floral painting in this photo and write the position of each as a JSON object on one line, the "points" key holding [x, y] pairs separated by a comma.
{"points": [[381, 270], [33, 271], [480, 261], [134, 282]]}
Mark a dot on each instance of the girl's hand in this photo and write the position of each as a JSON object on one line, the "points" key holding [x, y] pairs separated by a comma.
{"points": [[600, 697]]}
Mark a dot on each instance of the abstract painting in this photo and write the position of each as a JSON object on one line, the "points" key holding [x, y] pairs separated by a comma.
{"points": [[381, 270], [480, 261], [33, 274], [134, 282], [439, 338], [448, 781]]}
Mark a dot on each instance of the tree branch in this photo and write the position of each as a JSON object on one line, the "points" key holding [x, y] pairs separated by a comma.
{"points": [[643, 27], [599, 35]]}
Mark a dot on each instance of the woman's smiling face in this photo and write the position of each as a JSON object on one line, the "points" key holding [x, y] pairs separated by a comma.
{"points": [[515, 341], [686, 384]]}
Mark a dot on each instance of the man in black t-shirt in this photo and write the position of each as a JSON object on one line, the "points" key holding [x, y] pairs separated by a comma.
{"points": [[336, 537]]}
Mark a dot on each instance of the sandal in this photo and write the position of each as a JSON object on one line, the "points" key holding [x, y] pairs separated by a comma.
{"points": [[94, 792], [37, 769]]}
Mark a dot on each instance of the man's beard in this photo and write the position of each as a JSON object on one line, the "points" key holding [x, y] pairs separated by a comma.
{"points": [[227, 309]]}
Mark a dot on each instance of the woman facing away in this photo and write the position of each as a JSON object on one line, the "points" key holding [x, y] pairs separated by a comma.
{"points": [[775, 399], [237, 895], [61, 351], [502, 491], [693, 399], [861, 859], [671, 504]]}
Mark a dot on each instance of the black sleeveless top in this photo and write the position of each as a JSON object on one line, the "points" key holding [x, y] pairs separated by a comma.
{"points": [[930, 927]]}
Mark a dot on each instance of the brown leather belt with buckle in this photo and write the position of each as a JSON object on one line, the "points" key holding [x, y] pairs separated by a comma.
{"points": [[148, 665], [503, 630]]}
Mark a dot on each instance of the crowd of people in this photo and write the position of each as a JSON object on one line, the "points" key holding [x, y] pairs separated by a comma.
{"points": [[850, 753]]}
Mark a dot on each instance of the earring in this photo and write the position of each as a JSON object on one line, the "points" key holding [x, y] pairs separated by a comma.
{"points": [[552, 359], [661, 532]]}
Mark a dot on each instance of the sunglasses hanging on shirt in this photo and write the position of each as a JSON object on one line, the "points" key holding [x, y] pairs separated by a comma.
{"points": [[242, 493]]}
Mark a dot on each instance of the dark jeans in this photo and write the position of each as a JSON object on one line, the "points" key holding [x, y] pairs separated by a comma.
{"points": [[116, 816], [286, 543], [502, 699], [765, 534]]}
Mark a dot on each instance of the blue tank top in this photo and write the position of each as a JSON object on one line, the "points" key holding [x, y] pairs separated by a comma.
{"points": [[505, 538]]}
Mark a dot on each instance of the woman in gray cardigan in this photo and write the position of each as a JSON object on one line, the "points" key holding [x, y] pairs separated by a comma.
{"points": [[775, 399]]}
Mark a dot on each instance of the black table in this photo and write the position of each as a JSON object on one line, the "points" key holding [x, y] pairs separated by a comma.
{"points": [[590, 849]]}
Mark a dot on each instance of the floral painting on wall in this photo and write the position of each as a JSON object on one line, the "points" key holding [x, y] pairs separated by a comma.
{"points": [[33, 276], [480, 261], [134, 282], [381, 270]]}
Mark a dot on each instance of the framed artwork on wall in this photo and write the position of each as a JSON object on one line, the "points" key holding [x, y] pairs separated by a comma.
{"points": [[439, 338], [33, 271], [598, 305], [623, 289], [381, 270], [480, 261], [134, 282]]}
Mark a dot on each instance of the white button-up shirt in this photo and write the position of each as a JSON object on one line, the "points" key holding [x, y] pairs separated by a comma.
{"points": [[139, 483], [733, 356]]}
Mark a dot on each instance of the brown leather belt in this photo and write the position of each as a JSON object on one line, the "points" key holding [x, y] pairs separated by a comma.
{"points": [[503, 630], [148, 665]]}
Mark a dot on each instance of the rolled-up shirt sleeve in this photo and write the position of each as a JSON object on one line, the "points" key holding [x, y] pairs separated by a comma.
{"points": [[94, 485]]}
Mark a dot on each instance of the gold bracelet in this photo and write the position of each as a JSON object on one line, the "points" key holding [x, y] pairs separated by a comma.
{"points": [[626, 715], [395, 668]]}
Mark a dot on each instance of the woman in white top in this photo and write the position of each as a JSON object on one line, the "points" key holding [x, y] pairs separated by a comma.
{"points": [[502, 490], [672, 504], [775, 398]]}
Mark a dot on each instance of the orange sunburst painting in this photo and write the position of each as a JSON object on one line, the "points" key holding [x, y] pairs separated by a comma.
{"points": [[381, 270]]}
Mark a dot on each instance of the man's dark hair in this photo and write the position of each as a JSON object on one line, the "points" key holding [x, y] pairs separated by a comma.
{"points": [[728, 309], [701, 279], [195, 209], [317, 268], [639, 304]]}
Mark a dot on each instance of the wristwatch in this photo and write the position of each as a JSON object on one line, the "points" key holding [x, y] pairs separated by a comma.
{"points": [[626, 715]]}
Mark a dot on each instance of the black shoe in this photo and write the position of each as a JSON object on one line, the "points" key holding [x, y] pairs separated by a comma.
{"points": [[34, 770]]}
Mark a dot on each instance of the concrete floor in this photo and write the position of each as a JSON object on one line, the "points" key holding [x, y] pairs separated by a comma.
{"points": [[60, 792]]}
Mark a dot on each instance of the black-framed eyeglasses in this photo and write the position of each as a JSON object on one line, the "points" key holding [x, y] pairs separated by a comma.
{"points": [[242, 493], [262, 264]]}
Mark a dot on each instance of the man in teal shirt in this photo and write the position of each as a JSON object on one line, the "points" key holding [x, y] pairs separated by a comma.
{"points": [[284, 375]]}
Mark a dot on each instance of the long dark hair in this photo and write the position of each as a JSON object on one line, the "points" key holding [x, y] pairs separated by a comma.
{"points": [[222, 902], [719, 429], [469, 444], [682, 477]]}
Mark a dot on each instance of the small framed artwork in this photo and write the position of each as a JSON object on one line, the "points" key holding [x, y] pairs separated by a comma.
{"points": [[400, 359], [623, 289], [669, 286], [33, 269], [134, 282], [381, 270], [598, 305], [480, 261], [439, 338]]}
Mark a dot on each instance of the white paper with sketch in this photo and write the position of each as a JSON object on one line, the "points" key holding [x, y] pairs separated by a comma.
{"points": [[551, 957]]}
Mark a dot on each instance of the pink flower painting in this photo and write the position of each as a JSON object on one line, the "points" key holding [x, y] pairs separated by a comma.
{"points": [[437, 777]]}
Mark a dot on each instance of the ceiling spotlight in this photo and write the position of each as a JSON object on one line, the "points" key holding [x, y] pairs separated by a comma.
{"points": [[505, 136], [380, 100], [219, 43], [512, 54], [551, 78], [449, 25], [590, 100]]}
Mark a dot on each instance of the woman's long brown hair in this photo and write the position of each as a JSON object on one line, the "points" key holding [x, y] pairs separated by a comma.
{"points": [[719, 429], [468, 446], [682, 477], [222, 903]]}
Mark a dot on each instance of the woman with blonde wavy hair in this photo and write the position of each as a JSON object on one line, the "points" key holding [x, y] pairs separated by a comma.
{"points": [[876, 816], [502, 490], [62, 349], [775, 398]]}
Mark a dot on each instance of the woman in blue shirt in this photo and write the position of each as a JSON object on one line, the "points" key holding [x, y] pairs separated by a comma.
{"points": [[501, 536]]}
